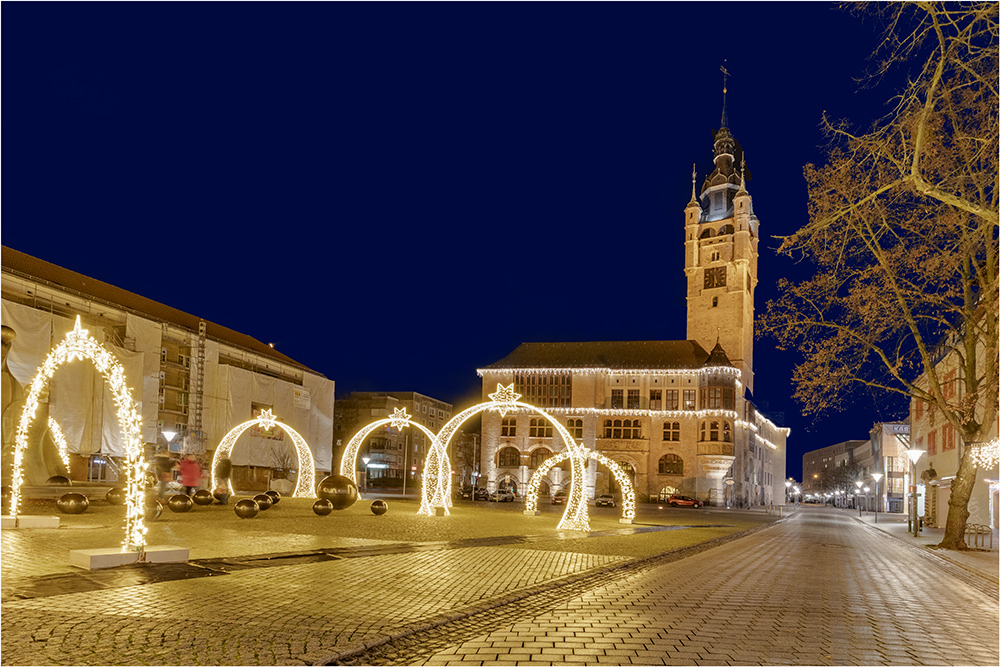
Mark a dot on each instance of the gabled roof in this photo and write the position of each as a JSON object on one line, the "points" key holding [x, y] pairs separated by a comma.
{"points": [[19, 263], [615, 355]]}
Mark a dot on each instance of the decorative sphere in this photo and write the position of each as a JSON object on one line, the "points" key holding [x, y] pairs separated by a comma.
{"points": [[322, 507], [263, 501], [154, 508], [73, 503], [275, 496], [339, 490], [58, 480], [379, 507], [203, 497], [246, 508], [180, 503], [116, 495]]}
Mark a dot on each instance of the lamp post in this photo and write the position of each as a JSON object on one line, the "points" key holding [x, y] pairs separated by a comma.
{"points": [[857, 497], [788, 485], [877, 476], [868, 504], [914, 454], [798, 494], [365, 460]]}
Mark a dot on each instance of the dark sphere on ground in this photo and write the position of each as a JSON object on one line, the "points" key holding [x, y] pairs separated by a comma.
{"points": [[263, 501], [154, 508], [246, 509], [275, 496], [379, 507], [203, 497], [339, 490], [73, 503], [116, 495], [58, 480], [322, 507], [180, 503]]}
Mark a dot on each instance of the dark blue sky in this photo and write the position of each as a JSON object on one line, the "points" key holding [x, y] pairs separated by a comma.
{"points": [[397, 194]]}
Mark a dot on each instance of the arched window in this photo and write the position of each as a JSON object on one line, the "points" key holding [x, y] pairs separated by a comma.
{"points": [[575, 428], [538, 456], [672, 431], [509, 458], [727, 432], [671, 464], [540, 428]]}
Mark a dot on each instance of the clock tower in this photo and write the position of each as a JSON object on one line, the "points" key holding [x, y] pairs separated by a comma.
{"points": [[720, 256]]}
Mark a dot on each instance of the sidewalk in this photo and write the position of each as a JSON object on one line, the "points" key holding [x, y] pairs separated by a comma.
{"points": [[982, 560]]}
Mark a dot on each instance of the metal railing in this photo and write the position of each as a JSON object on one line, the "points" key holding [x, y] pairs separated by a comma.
{"points": [[977, 532]]}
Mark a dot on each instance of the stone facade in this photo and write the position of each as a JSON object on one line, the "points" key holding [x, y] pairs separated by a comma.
{"points": [[679, 419]]}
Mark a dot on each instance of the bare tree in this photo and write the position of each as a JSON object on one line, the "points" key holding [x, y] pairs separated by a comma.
{"points": [[902, 231]]}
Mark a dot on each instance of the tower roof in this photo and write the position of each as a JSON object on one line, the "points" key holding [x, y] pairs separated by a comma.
{"points": [[717, 357]]}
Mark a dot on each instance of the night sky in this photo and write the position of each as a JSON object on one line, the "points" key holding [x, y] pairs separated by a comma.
{"points": [[397, 194]]}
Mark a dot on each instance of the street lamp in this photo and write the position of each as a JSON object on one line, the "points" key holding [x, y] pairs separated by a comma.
{"points": [[365, 460], [877, 476], [788, 485], [798, 493], [868, 505], [914, 454], [857, 497]]}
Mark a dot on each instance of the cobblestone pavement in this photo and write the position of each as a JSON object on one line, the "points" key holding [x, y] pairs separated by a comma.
{"points": [[819, 589]]}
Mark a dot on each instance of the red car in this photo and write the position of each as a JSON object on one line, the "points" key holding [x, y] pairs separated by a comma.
{"points": [[674, 501], [559, 498]]}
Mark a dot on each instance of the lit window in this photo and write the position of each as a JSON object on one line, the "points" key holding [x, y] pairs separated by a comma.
{"points": [[672, 431]]}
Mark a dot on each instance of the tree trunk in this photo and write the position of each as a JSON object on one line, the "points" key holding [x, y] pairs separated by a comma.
{"points": [[958, 504]]}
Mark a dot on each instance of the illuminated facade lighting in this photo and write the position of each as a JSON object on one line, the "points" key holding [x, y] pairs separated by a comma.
{"points": [[305, 484], [78, 344]]}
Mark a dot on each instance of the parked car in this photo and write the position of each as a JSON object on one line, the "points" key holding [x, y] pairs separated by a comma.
{"points": [[467, 493], [482, 493], [502, 496], [683, 501], [560, 498], [605, 500]]}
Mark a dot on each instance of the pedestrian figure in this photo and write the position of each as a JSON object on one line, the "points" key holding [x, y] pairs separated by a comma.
{"points": [[223, 469], [190, 473], [163, 465]]}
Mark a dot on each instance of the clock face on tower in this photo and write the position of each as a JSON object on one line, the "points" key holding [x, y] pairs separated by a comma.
{"points": [[715, 277]]}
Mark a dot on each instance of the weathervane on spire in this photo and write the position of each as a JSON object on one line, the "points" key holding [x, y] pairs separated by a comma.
{"points": [[743, 172], [725, 75], [694, 179]]}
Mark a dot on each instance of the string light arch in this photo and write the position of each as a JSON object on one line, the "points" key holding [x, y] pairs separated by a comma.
{"points": [[628, 492], [504, 400], [61, 445], [306, 481], [78, 344]]}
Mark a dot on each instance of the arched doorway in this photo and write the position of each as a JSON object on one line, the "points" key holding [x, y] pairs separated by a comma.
{"points": [[507, 483]]}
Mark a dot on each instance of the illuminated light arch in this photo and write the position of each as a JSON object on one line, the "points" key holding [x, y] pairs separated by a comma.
{"points": [[79, 345], [305, 483], [399, 420], [576, 516], [628, 492], [60, 440]]}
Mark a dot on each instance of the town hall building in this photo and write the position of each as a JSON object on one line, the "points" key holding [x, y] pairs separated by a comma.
{"points": [[678, 416]]}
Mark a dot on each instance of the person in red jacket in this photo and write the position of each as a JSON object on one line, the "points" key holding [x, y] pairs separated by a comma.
{"points": [[190, 473]]}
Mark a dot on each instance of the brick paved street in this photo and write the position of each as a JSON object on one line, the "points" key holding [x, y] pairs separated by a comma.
{"points": [[819, 588]]}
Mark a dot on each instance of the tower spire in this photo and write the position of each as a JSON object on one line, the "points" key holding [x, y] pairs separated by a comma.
{"points": [[743, 173], [725, 75], [694, 179]]}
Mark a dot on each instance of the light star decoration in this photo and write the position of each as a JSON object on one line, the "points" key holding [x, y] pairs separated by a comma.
{"points": [[266, 420], [75, 340], [506, 397], [399, 419]]}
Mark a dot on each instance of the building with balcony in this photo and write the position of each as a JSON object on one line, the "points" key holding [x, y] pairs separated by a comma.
{"points": [[193, 380]]}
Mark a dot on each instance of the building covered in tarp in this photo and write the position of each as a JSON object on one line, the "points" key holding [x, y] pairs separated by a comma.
{"points": [[193, 380]]}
